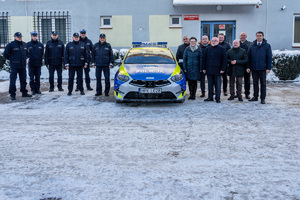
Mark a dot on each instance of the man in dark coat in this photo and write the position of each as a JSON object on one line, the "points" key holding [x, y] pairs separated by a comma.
{"points": [[227, 46], [181, 49], [192, 63], [54, 55], [75, 59], [236, 58], [16, 53], [35, 54], [260, 64], [102, 60], [245, 44], [89, 46], [204, 43], [215, 63]]}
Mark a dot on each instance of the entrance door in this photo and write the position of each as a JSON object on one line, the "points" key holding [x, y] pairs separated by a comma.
{"points": [[212, 29]]}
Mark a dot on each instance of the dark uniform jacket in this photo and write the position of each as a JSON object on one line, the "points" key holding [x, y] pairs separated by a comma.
{"points": [[225, 45], [215, 60], [192, 63], [203, 48], [16, 53], [54, 53], [102, 55], [35, 53], [241, 58], [89, 45], [260, 57], [76, 54]]}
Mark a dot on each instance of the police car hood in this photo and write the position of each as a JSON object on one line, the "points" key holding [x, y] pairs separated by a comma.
{"points": [[150, 71]]}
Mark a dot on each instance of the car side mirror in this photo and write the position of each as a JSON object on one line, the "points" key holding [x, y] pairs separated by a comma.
{"points": [[118, 62], [180, 61]]}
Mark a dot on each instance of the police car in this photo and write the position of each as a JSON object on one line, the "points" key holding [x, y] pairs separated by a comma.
{"points": [[149, 72]]}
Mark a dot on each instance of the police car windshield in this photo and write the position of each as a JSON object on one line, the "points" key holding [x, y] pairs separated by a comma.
{"points": [[149, 56]]}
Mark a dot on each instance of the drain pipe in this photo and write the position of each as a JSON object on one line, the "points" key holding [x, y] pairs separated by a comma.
{"points": [[267, 5]]}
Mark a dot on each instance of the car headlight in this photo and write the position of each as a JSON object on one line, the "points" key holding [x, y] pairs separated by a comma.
{"points": [[122, 77], [177, 77]]}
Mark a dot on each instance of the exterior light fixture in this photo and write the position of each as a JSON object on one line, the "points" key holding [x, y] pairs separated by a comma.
{"points": [[219, 7]]}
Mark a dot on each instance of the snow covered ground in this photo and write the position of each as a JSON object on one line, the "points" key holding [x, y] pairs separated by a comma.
{"points": [[87, 148]]}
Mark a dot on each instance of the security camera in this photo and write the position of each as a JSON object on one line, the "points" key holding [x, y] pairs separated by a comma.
{"points": [[283, 7]]}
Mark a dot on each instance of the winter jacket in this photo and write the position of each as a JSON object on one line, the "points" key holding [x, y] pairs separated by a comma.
{"points": [[192, 63], [102, 55], [203, 48], [225, 45], [35, 53], [215, 60], [180, 51], [245, 45], [260, 57], [89, 46], [54, 53], [76, 54], [241, 58], [16, 53]]}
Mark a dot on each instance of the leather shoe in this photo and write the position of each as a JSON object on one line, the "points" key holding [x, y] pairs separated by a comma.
{"points": [[76, 90], [98, 94], [33, 93], [60, 89], [253, 99], [82, 93], [13, 97], [247, 96], [263, 101], [208, 99], [106, 95], [26, 95], [240, 99], [89, 88], [202, 95], [51, 90], [69, 93], [225, 94], [231, 98], [38, 92], [218, 101]]}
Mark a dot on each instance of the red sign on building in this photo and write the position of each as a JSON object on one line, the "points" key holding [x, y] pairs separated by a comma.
{"points": [[222, 26], [191, 17]]}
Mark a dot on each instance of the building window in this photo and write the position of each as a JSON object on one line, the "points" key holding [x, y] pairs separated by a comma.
{"points": [[175, 20], [4, 29], [105, 22], [46, 22], [296, 38]]}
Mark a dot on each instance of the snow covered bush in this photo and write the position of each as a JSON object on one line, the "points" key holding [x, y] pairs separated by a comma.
{"points": [[122, 53], [286, 66], [4, 64]]}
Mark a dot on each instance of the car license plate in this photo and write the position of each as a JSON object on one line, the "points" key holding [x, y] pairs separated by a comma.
{"points": [[150, 90]]}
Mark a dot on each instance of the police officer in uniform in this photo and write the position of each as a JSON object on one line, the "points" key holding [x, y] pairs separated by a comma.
{"points": [[75, 59], [89, 46], [54, 55], [102, 60], [16, 53], [35, 54]]}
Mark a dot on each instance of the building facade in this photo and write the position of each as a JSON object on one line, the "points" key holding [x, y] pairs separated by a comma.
{"points": [[126, 21]]}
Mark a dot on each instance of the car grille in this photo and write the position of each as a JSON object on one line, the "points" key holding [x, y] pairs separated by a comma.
{"points": [[150, 84], [137, 95]]}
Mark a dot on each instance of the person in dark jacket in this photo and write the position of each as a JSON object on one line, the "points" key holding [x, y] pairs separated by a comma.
{"points": [[192, 63], [204, 43], [89, 46], [260, 64], [224, 44], [35, 54], [16, 53], [236, 58], [245, 44], [102, 60], [181, 49], [75, 59], [215, 64], [54, 55]]}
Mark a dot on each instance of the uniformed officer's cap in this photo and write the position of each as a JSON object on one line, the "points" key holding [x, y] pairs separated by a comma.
{"points": [[83, 31], [34, 33], [75, 35], [18, 34], [54, 33], [102, 35]]}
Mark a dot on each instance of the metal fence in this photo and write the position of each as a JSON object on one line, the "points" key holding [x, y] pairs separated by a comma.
{"points": [[46, 22], [4, 29]]}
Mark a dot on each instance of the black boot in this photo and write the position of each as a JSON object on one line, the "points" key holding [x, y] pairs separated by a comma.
{"points": [[88, 87]]}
